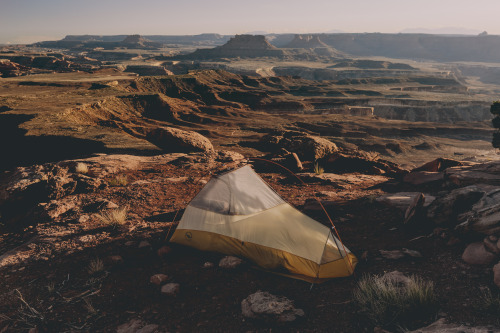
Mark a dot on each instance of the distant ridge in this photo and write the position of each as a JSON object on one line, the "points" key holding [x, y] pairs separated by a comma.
{"points": [[305, 42], [247, 46]]}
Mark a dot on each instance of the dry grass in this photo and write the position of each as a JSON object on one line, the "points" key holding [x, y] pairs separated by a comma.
{"points": [[81, 168], [95, 266], [318, 169], [90, 308], [388, 302], [114, 218], [490, 301], [119, 180], [51, 287]]}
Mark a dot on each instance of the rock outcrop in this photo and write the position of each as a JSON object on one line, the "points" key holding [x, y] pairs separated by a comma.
{"points": [[245, 46], [307, 147], [305, 42], [174, 140]]}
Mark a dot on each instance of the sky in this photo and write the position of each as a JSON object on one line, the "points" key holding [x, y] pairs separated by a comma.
{"points": [[26, 21]]}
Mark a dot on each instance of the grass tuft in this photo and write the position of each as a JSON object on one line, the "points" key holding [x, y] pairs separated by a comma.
{"points": [[114, 218], [95, 266], [490, 302], [90, 308], [119, 180], [51, 287], [81, 168], [387, 301], [318, 169]]}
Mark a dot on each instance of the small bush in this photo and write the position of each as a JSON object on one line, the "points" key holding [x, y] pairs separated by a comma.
{"points": [[388, 302], [490, 302], [51, 287], [81, 168], [318, 169], [115, 217], [95, 266], [119, 180]]}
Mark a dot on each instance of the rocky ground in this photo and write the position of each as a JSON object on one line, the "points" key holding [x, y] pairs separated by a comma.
{"points": [[84, 237], [65, 269]]}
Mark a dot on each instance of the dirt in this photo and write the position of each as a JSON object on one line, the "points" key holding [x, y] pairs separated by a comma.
{"points": [[53, 277]]}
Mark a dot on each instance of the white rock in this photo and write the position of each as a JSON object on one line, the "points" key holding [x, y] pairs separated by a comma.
{"points": [[230, 262], [171, 289], [264, 305]]}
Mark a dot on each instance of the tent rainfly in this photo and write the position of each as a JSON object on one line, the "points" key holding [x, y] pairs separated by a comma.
{"points": [[237, 213]]}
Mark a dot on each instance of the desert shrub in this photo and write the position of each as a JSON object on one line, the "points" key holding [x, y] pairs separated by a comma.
{"points": [[318, 169], [119, 180], [81, 168], [490, 302], [95, 266], [114, 218], [388, 302]]}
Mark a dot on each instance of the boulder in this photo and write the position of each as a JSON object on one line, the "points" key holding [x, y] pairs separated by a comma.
{"points": [[171, 289], [357, 161], [228, 156], [439, 164], [491, 244], [445, 210], [230, 262], [484, 216], [423, 177], [402, 200], [496, 274], [263, 305], [307, 147], [175, 140], [476, 254], [484, 173]]}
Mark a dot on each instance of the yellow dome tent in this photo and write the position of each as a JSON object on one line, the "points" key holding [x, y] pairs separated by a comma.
{"points": [[237, 213]]}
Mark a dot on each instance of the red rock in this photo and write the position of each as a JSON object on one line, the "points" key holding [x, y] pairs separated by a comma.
{"points": [[158, 279], [164, 250]]}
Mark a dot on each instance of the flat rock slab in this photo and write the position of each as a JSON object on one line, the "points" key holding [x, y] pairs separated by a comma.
{"points": [[402, 200], [343, 181], [484, 173], [423, 177]]}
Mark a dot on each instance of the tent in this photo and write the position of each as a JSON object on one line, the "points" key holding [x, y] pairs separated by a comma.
{"points": [[238, 213]]}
